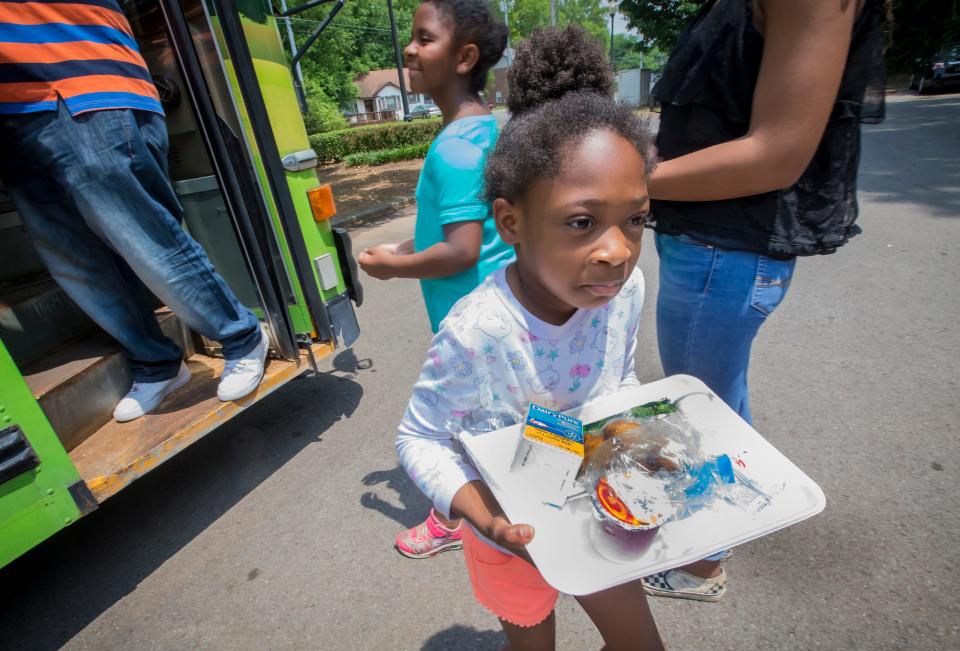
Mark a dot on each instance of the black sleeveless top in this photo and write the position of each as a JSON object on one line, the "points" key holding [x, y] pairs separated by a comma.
{"points": [[706, 95]]}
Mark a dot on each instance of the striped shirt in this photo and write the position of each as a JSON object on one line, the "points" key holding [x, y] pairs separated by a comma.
{"points": [[82, 52]]}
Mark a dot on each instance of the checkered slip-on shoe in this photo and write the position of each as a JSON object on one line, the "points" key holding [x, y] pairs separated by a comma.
{"points": [[683, 585]]}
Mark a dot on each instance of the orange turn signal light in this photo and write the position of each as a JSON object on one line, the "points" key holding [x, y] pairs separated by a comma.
{"points": [[321, 202]]}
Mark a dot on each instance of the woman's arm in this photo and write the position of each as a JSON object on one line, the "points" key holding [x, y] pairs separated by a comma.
{"points": [[804, 55], [459, 251]]}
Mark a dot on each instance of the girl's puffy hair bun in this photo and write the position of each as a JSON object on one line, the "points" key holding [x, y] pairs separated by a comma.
{"points": [[553, 62]]}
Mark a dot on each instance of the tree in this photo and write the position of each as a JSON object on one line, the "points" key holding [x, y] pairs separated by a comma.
{"points": [[322, 114], [589, 14], [523, 16], [659, 21], [627, 52], [919, 28], [356, 42]]}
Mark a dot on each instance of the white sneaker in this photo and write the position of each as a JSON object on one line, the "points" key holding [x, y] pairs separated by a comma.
{"points": [[144, 397], [241, 376]]}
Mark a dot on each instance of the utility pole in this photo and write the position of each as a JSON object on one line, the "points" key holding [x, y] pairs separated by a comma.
{"points": [[642, 52], [298, 71], [399, 60], [505, 8], [613, 13]]}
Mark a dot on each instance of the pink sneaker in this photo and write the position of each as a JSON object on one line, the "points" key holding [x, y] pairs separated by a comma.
{"points": [[428, 538]]}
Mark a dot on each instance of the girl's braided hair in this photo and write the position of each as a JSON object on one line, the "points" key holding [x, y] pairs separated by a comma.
{"points": [[475, 22], [561, 88]]}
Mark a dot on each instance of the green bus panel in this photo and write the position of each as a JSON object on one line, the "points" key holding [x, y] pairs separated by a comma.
{"points": [[37, 503], [276, 82]]}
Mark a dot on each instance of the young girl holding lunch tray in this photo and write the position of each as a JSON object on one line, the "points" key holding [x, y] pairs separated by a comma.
{"points": [[557, 327]]}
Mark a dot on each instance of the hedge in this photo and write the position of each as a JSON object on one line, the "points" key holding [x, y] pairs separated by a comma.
{"points": [[384, 156], [335, 146]]}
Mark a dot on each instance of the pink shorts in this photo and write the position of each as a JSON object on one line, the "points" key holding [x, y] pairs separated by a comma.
{"points": [[506, 585]]}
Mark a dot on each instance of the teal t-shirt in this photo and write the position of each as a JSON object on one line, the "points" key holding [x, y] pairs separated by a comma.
{"points": [[450, 190]]}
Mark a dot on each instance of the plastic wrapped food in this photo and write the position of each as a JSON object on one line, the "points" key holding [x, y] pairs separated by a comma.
{"points": [[645, 467], [642, 468]]}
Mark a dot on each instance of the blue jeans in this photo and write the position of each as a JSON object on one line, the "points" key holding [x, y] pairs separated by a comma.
{"points": [[710, 306], [93, 192]]}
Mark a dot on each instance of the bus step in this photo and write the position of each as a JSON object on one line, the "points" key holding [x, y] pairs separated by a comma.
{"points": [[79, 385], [37, 317], [118, 453]]}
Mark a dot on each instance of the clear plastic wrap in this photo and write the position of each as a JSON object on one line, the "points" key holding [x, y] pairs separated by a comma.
{"points": [[646, 467], [483, 420], [480, 421]]}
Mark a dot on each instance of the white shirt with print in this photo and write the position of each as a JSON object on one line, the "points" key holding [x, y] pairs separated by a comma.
{"points": [[491, 353]]}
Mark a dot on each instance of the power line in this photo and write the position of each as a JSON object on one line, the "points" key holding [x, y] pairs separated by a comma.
{"points": [[337, 24]]}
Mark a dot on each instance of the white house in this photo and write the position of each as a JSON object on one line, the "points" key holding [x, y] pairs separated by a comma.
{"points": [[379, 98]]}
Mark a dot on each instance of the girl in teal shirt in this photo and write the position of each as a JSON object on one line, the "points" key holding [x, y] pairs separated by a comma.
{"points": [[455, 245]]}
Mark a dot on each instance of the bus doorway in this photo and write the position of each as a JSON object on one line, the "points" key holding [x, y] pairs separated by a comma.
{"points": [[265, 227]]}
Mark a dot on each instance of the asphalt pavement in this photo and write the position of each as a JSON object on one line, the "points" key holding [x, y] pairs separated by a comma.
{"points": [[276, 531]]}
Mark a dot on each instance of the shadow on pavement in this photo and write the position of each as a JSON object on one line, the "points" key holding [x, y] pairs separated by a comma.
{"points": [[347, 362], [465, 638], [912, 156], [415, 505], [54, 591]]}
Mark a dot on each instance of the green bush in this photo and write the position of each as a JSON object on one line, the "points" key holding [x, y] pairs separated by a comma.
{"points": [[335, 146], [384, 156], [323, 116], [322, 112]]}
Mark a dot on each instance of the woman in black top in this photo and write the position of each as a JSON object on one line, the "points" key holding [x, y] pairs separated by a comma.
{"points": [[760, 139]]}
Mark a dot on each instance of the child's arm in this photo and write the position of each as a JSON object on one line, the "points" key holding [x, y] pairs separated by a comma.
{"points": [[459, 251], [455, 489], [404, 248], [475, 503], [444, 395], [454, 172]]}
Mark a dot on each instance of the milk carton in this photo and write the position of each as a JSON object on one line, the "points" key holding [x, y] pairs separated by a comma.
{"points": [[549, 454]]}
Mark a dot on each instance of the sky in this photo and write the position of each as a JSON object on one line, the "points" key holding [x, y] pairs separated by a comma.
{"points": [[620, 25]]}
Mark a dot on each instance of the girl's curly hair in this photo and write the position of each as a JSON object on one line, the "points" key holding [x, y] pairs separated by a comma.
{"points": [[475, 22], [561, 88], [554, 62]]}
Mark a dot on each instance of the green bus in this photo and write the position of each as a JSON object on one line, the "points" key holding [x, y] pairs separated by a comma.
{"points": [[241, 163]]}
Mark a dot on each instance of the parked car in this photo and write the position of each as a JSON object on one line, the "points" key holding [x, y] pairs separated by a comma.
{"points": [[421, 111], [939, 70]]}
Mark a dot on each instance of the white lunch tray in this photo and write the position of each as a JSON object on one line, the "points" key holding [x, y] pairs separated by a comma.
{"points": [[576, 557]]}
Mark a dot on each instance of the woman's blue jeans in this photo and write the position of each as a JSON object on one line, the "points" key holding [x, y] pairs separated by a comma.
{"points": [[93, 192], [710, 306]]}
